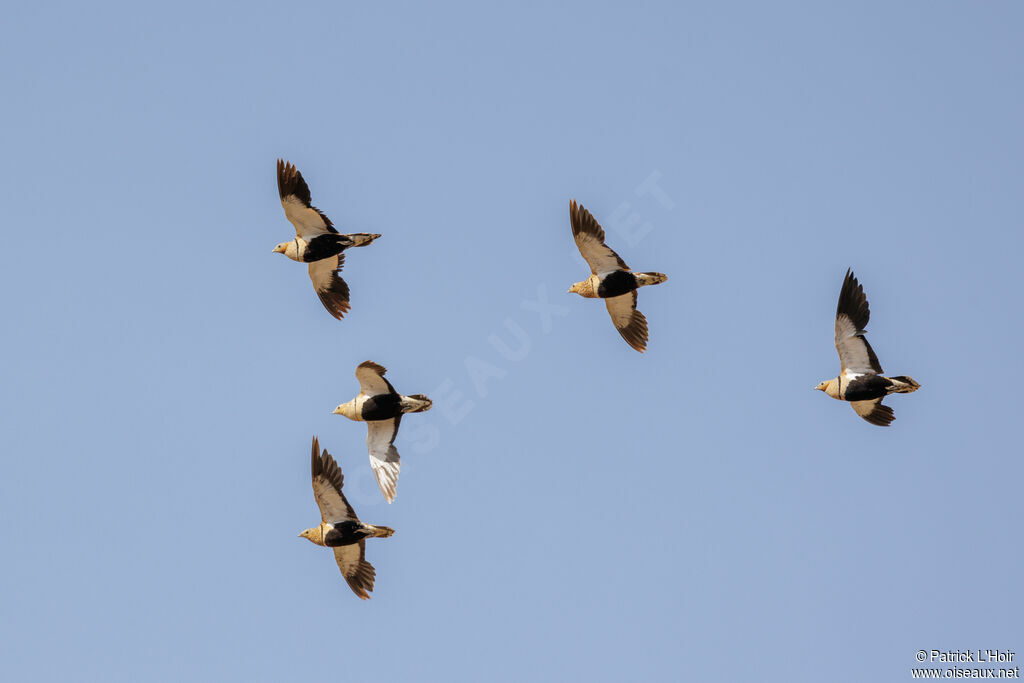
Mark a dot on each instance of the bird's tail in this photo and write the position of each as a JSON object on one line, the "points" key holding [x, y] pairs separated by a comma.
{"points": [[380, 531], [643, 279], [903, 385], [361, 239], [416, 403]]}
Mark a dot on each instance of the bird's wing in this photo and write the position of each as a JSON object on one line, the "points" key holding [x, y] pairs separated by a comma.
{"points": [[630, 323], [327, 483], [874, 412], [855, 354], [384, 459], [371, 379], [357, 571], [589, 236], [307, 219], [329, 286]]}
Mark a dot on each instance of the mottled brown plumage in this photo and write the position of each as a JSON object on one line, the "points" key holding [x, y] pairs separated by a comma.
{"points": [[339, 528], [381, 407], [316, 242], [610, 278], [860, 380]]}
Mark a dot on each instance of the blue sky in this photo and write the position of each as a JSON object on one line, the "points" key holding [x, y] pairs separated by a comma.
{"points": [[570, 509]]}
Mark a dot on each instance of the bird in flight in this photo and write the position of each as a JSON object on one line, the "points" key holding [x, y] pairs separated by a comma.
{"points": [[340, 529], [860, 379], [316, 240], [381, 407], [610, 279]]}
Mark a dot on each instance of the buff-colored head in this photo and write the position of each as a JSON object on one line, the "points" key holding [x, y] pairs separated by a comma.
{"points": [[830, 387], [579, 288], [314, 535], [348, 410], [280, 249]]}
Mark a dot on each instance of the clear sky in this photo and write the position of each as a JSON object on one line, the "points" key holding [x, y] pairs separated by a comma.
{"points": [[570, 509]]}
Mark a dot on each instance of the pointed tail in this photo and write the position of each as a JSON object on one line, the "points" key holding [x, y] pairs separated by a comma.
{"points": [[361, 239], [903, 385], [416, 403], [644, 279], [380, 531]]}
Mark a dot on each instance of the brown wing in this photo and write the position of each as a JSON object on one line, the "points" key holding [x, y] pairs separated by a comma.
{"points": [[329, 286], [357, 571], [371, 379], [589, 236], [307, 219], [630, 323], [327, 484], [855, 354], [874, 412]]}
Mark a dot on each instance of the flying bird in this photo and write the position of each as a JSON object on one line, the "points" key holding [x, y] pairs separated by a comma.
{"points": [[381, 407], [610, 279], [860, 379], [316, 241], [340, 528]]}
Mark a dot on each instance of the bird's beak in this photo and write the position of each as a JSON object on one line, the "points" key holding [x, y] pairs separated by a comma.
{"points": [[336, 411]]}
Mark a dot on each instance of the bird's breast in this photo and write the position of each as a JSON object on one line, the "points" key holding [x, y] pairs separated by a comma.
{"points": [[296, 250], [616, 284], [866, 388], [381, 407], [323, 246], [344, 533]]}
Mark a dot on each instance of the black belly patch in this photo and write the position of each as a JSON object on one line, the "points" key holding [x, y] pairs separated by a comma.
{"points": [[382, 407], [344, 533], [616, 284], [867, 388], [324, 246]]}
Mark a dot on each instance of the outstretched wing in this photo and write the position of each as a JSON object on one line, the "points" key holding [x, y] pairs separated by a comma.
{"points": [[327, 483], [589, 236], [357, 571], [307, 219], [855, 354], [630, 323], [371, 379], [329, 286], [384, 459], [874, 412]]}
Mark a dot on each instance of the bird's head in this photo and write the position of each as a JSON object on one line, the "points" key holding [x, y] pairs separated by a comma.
{"points": [[311, 534], [830, 387], [348, 410], [279, 249], [577, 288]]}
